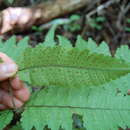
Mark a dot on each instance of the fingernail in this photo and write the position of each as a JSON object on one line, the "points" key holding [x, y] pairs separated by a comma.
{"points": [[9, 68]]}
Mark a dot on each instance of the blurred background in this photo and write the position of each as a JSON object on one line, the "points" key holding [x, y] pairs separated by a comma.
{"points": [[103, 20]]}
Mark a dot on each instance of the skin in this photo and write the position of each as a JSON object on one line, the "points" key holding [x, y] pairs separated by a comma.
{"points": [[21, 94]]}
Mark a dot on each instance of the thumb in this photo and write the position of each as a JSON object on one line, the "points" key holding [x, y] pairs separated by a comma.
{"points": [[7, 70]]}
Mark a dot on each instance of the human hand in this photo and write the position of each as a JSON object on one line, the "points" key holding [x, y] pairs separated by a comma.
{"points": [[7, 82]]}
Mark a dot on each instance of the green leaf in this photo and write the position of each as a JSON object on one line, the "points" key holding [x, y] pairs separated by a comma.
{"points": [[128, 20], [123, 53], [62, 67], [49, 39], [13, 50], [127, 29], [100, 19], [104, 107], [68, 91], [45, 114], [92, 46], [5, 118], [55, 106], [103, 49], [64, 42], [94, 24], [74, 17], [81, 44], [9, 1]]}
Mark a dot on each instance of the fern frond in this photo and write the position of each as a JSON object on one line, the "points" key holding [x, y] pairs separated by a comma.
{"points": [[106, 107], [77, 71], [92, 46], [123, 53], [5, 118], [60, 66], [49, 39], [101, 107], [12, 49]]}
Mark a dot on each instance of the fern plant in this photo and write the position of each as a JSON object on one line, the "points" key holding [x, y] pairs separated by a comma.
{"points": [[83, 80]]}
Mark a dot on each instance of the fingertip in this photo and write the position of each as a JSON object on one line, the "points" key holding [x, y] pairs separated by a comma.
{"points": [[17, 103], [11, 102], [23, 94], [7, 70], [16, 83], [5, 85], [6, 58]]}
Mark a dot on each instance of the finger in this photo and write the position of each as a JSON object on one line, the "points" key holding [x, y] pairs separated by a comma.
{"points": [[10, 101], [23, 94], [3, 107], [16, 83], [5, 58], [5, 85], [8, 68]]}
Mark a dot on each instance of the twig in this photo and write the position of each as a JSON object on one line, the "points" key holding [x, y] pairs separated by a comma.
{"points": [[101, 7], [60, 21], [108, 25], [124, 10], [92, 5]]}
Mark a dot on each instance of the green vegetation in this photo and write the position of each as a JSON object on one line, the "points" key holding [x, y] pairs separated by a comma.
{"points": [[97, 22], [97, 95]]}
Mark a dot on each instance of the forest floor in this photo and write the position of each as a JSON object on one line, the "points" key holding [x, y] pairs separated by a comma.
{"points": [[108, 21]]}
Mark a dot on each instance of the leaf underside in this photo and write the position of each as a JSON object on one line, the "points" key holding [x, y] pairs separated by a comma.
{"points": [[103, 108], [69, 67]]}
